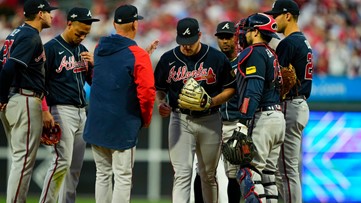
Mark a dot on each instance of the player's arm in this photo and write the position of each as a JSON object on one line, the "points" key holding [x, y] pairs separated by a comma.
{"points": [[250, 81], [229, 84], [48, 119], [163, 107], [144, 79], [224, 96], [88, 59], [6, 78]]}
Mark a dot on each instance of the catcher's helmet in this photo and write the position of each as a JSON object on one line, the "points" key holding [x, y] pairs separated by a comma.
{"points": [[262, 22]]}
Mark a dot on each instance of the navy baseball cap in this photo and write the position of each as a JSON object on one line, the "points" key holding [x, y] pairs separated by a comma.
{"points": [[226, 27], [34, 6], [126, 14], [284, 6], [187, 31], [81, 15]]}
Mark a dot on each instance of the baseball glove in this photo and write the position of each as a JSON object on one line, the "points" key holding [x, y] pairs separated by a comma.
{"points": [[51, 136], [194, 97], [289, 80], [239, 149]]}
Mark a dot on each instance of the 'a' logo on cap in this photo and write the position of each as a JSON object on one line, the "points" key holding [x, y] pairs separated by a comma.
{"points": [[41, 6], [89, 14], [73, 16], [187, 32], [226, 26]]}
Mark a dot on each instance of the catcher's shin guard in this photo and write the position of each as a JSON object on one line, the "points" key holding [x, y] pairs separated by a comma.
{"points": [[269, 185], [250, 185]]}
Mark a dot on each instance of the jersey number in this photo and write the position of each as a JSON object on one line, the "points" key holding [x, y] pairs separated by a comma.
{"points": [[6, 49], [309, 67]]}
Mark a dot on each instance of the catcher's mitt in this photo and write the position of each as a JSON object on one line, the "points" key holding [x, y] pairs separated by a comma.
{"points": [[289, 80], [51, 136], [194, 97], [239, 149]]}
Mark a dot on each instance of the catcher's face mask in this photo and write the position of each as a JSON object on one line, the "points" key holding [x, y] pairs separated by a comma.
{"points": [[241, 31]]}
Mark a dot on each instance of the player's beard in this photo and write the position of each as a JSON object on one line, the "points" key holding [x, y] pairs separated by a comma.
{"points": [[46, 24], [190, 51]]}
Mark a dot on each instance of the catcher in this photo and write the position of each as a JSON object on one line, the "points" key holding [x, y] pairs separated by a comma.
{"points": [[259, 99]]}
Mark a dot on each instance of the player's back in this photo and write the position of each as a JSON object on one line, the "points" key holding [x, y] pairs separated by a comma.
{"points": [[24, 45], [296, 50]]}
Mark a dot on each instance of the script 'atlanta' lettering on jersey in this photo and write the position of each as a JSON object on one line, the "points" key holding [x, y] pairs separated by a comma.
{"points": [[76, 66], [201, 73]]}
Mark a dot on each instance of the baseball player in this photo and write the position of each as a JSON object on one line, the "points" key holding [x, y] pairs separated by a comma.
{"points": [[227, 40], [69, 65], [193, 132], [22, 87], [258, 82], [121, 103], [294, 49]]}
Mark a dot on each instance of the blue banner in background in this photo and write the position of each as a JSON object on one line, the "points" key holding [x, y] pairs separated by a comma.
{"points": [[331, 158], [335, 89], [324, 89]]}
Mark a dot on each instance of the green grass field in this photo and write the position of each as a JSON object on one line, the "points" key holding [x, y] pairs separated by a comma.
{"points": [[88, 199]]}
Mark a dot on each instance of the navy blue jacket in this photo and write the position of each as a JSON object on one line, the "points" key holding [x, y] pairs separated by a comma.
{"points": [[122, 94]]}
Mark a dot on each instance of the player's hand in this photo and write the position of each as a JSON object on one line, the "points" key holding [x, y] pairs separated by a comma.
{"points": [[2, 106], [242, 128], [164, 109], [48, 119], [153, 46], [87, 57]]}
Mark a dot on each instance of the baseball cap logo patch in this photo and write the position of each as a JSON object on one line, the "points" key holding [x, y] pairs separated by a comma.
{"points": [[89, 14], [187, 32], [41, 6], [74, 16], [226, 26]]}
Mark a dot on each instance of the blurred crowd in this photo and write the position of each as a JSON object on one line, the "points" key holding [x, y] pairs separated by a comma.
{"points": [[333, 27]]}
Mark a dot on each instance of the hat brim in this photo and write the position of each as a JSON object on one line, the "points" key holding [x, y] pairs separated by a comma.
{"points": [[51, 8], [273, 12], [224, 32], [129, 20], [86, 20], [187, 40]]}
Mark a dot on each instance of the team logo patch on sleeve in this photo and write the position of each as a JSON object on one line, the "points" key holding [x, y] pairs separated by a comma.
{"points": [[250, 70]]}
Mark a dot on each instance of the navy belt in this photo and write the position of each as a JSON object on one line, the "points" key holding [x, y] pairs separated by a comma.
{"points": [[296, 97], [26, 92], [275, 107], [196, 113]]}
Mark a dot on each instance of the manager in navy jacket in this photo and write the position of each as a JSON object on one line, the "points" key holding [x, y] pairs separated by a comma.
{"points": [[121, 103]]}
